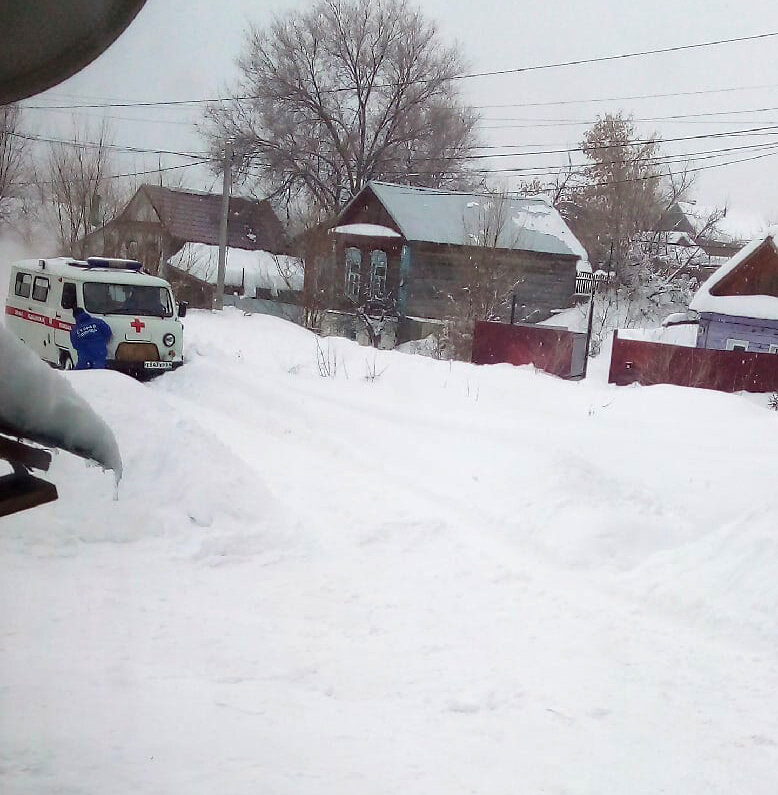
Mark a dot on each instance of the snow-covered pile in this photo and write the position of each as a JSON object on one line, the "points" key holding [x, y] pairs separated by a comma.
{"points": [[250, 269], [347, 571], [366, 230], [36, 400], [684, 335]]}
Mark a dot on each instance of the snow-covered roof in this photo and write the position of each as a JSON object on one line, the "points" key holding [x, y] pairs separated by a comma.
{"points": [[76, 269], [366, 230], [734, 226], [762, 307], [450, 217], [39, 403], [252, 269]]}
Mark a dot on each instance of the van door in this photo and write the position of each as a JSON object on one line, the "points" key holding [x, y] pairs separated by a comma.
{"points": [[63, 317], [30, 296], [41, 314]]}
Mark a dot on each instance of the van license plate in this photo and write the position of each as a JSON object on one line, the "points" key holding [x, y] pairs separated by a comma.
{"points": [[158, 365]]}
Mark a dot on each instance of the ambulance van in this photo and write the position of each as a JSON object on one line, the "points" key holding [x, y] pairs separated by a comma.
{"points": [[139, 308]]}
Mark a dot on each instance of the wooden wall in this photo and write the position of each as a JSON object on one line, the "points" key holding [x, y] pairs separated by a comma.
{"points": [[716, 329], [758, 275], [439, 275]]}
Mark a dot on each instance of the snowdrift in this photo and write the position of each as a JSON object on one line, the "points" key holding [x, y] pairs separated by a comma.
{"points": [[345, 571]]}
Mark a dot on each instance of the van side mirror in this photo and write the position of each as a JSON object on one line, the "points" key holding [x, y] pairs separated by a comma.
{"points": [[182, 305]]}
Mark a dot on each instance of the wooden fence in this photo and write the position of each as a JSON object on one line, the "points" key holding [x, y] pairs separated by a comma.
{"points": [[557, 351], [649, 363]]}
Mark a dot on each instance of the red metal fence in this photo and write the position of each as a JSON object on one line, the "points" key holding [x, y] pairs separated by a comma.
{"points": [[648, 363], [554, 350]]}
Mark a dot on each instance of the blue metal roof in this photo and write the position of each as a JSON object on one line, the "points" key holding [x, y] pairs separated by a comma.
{"points": [[450, 217]]}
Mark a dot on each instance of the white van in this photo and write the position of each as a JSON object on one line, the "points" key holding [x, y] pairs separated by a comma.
{"points": [[147, 331]]}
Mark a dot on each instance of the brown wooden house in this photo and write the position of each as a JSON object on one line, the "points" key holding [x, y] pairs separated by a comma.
{"points": [[419, 246], [157, 222]]}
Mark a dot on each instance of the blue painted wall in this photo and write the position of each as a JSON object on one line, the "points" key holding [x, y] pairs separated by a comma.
{"points": [[715, 330]]}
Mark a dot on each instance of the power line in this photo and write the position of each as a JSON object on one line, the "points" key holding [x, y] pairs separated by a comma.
{"points": [[644, 118], [600, 184], [159, 170], [699, 92], [98, 145], [178, 122], [766, 130], [545, 104], [621, 56], [580, 169], [467, 76]]}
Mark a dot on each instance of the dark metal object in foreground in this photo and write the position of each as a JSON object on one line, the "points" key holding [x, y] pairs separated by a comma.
{"points": [[20, 490], [43, 42]]}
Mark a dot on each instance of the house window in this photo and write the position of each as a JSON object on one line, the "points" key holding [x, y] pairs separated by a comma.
{"points": [[774, 349], [353, 273], [23, 285], [377, 273], [40, 289], [737, 345]]}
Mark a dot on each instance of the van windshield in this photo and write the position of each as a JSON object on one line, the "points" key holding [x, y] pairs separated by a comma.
{"points": [[127, 299]]}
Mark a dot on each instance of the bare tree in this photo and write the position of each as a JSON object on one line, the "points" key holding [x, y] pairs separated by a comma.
{"points": [[15, 171], [345, 92], [491, 277], [76, 187], [621, 195]]}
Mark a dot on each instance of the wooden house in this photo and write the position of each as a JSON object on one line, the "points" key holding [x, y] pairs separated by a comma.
{"points": [[738, 304], [421, 247], [716, 233], [158, 222]]}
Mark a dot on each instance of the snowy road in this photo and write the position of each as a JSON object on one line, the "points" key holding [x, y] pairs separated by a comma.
{"points": [[446, 579]]}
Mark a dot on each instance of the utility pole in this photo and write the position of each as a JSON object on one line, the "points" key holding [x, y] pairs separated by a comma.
{"points": [[589, 327], [218, 300], [591, 313]]}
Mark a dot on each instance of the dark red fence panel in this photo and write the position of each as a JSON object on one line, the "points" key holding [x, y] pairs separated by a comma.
{"points": [[554, 350], [648, 363]]}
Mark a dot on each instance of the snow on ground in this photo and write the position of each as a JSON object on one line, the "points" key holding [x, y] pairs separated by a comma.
{"points": [[411, 576]]}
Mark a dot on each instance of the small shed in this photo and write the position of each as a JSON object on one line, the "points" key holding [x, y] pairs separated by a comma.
{"points": [[158, 222], [738, 304], [254, 280]]}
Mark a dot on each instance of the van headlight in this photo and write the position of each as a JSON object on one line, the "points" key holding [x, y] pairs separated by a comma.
{"points": [[169, 340]]}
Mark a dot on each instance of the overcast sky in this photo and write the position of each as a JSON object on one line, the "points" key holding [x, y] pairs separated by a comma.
{"points": [[184, 49]]}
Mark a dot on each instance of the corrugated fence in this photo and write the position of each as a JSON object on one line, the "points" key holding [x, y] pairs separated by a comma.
{"points": [[649, 363], [557, 351]]}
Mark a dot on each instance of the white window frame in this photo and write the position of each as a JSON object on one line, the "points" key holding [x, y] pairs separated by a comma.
{"points": [[353, 274], [379, 267], [39, 281], [735, 345], [23, 280], [774, 349]]}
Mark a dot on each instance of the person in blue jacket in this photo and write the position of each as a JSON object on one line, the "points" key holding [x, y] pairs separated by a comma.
{"points": [[89, 336]]}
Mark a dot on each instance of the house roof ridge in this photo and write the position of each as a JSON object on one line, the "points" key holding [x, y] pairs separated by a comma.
{"points": [[513, 195], [196, 192]]}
